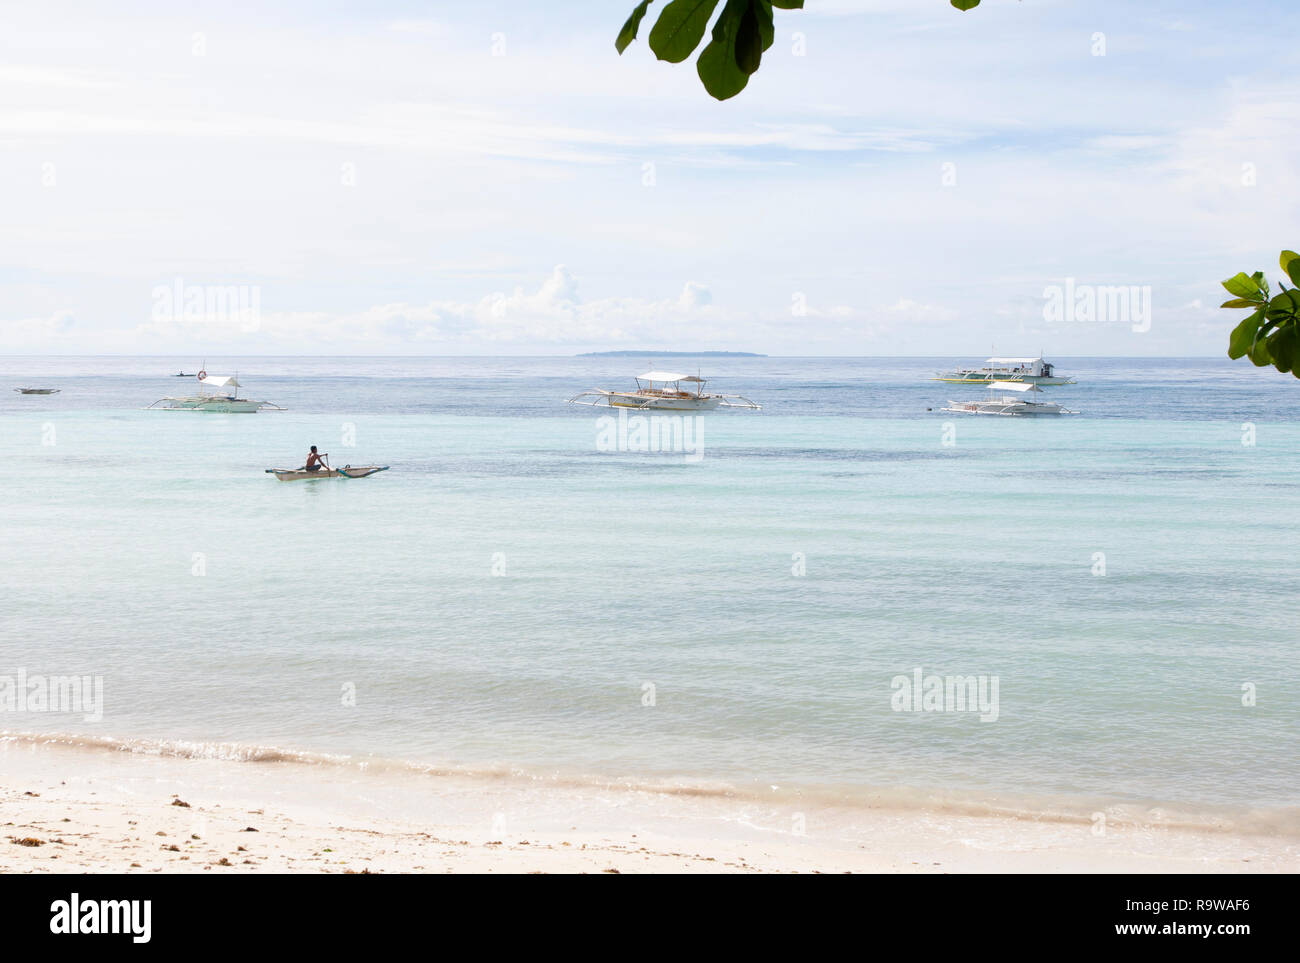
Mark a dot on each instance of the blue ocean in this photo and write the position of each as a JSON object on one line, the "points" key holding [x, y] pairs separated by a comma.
{"points": [[518, 594]]}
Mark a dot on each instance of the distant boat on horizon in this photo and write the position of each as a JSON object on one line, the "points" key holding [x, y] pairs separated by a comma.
{"points": [[669, 354]]}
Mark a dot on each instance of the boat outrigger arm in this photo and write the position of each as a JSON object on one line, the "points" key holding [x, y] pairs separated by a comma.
{"points": [[214, 402]]}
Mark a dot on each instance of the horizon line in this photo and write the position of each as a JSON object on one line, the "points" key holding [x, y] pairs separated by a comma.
{"points": [[740, 357]]}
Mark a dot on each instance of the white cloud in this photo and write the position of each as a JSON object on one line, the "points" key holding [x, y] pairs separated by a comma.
{"points": [[422, 27], [39, 334], [476, 173], [35, 76], [694, 295], [910, 310], [549, 317]]}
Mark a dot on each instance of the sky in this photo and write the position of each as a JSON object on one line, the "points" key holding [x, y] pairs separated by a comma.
{"points": [[491, 178]]}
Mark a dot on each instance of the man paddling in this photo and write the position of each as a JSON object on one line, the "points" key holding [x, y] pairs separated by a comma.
{"points": [[314, 460]]}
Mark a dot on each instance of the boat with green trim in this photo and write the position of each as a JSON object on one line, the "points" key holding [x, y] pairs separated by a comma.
{"points": [[1034, 371]]}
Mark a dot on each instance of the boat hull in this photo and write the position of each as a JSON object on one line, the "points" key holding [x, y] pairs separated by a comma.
{"points": [[980, 378], [1017, 409], [230, 407], [220, 406], [643, 403], [347, 471]]}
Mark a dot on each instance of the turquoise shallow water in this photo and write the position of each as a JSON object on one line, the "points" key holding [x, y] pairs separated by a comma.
{"points": [[503, 595]]}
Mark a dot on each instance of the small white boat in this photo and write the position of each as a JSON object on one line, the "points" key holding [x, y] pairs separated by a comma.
{"points": [[668, 396], [347, 471], [1030, 370], [38, 391], [221, 396], [1014, 404]]}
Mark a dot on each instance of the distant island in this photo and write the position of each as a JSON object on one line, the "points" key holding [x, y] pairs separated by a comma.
{"points": [[669, 354]]}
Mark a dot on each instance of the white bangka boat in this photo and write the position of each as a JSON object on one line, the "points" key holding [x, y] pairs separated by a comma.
{"points": [[347, 471], [1014, 404], [216, 394], [1029, 370], [668, 396], [38, 391]]}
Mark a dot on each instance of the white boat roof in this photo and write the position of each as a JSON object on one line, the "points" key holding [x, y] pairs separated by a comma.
{"points": [[663, 376], [217, 381], [1012, 360], [1013, 386]]}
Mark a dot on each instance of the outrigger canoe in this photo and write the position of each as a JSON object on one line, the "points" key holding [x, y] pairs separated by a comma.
{"points": [[347, 471]]}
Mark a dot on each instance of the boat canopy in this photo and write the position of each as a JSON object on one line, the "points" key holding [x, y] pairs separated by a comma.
{"points": [[1012, 360], [664, 376], [1013, 386], [212, 381]]}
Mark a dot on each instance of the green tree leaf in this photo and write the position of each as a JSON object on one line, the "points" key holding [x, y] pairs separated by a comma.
{"points": [[680, 28], [765, 23], [1284, 307], [749, 42], [1271, 334], [1242, 286], [717, 68], [1259, 355], [1284, 348], [788, 4], [1291, 265], [1243, 335], [965, 4], [628, 33]]}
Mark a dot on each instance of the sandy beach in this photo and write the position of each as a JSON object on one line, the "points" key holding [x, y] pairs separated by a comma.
{"points": [[74, 810]]}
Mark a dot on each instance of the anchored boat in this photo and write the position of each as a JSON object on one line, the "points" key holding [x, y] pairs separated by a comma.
{"points": [[1014, 404], [38, 391], [668, 396], [1034, 371], [216, 394], [347, 471]]}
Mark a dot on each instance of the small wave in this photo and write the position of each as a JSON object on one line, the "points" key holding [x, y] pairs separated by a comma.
{"points": [[176, 748], [1281, 822]]}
